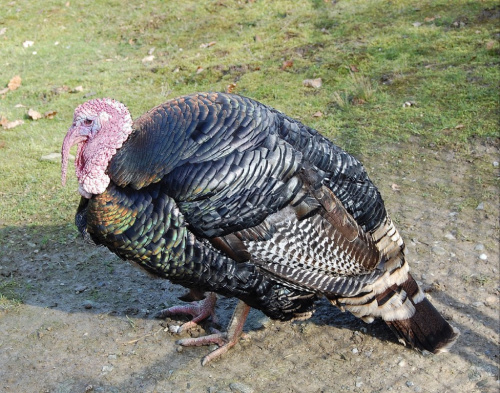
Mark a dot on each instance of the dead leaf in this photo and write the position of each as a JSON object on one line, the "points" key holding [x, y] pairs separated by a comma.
{"points": [[429, 19], [408, 104], [20, 106], [353, 68], [12, 124], [27, 44], [34, 114], [417, 24], [230, 88], [148, 59], [315, 83], [199, 69], [287, 64], [459, 127], [208, 44], [358, 101], [77, 89], [318, 114], [2, 144], [14, 83], [3, 30], [395, 187], [3, 121], [3, 91], [50, 114], [490, 45]]}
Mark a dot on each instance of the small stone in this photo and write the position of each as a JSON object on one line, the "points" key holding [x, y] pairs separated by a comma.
{"points": [[483, 257], [479, 247], [179, 348], [80, 288], [354, 351], [238, 387], [359, 384], [402, 363], [438, 250], [490, 300], [417, 389], [450, 236], [173, 328], [88, 304], [478, 304], [480, 206], [107, 368], [409, 383], [495, 164]]}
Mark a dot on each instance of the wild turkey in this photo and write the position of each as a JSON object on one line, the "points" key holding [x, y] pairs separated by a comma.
{"points": [[220, 193]]}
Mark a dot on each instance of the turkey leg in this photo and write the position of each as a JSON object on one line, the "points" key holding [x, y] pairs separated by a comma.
{"points": [[224, 340]]}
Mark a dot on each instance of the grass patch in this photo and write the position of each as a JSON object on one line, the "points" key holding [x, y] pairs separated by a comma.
{"points": [[442, 56]]}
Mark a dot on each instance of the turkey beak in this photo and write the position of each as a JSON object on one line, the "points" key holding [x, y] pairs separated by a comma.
{"points": [[73, 137]]}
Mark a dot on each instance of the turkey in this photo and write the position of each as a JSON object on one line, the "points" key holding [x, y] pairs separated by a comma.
{"points": [[222, 194]]}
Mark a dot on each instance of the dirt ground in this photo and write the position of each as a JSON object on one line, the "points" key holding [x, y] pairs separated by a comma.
{"points": [[86, 323]]}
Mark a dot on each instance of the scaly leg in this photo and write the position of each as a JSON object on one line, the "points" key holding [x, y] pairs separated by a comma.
{"points": [[199, 310], [225, 340]]}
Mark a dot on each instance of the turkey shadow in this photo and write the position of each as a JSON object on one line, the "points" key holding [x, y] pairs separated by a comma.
{"points": [[51, 267]]}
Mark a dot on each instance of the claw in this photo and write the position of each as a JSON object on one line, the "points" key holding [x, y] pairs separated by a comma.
{"points": [[198, 310], [224, 340]]}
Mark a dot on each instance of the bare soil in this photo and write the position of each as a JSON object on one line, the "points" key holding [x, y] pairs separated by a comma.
{"points": [[86, 322]]}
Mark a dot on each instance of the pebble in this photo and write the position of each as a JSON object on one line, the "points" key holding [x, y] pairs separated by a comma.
{"points": [[480, 206], [409, 383], [417, 389], [359, 384], [438, 250], [483, 257], [479, 247], [449, 236], [88, 304], [107, 368], [354, 350], [402, 363], [490, 300], [478, 304], [238, 387], [495, 164]]}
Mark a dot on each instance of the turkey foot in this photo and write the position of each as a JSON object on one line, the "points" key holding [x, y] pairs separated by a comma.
{"points": [[225, 340], [198, 310]]}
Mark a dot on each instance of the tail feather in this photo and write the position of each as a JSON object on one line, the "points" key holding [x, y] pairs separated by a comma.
{"points": [[426, 329], [406, 310]]}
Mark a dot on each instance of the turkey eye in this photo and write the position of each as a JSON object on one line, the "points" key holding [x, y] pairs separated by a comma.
{"points": [[87, 122]]}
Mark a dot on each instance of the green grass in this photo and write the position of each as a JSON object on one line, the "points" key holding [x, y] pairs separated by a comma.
{"points": [[451, 73]]}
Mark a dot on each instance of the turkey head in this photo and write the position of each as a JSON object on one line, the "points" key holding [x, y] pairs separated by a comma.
{"points": [[99, 128]]}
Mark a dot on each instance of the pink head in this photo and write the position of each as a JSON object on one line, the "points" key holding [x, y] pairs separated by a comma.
{"points": [[99, 128]]}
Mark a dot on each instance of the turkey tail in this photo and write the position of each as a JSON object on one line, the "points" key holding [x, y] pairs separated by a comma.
{"points": [[426, 329]]}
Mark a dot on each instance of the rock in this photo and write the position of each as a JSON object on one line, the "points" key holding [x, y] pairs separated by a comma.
{"points": [[480, 206], [479, 247], [88, 304], [354, 351], [438, 250], [402, 363], [483, 257], [495, 164], [238, 387], [490, 300], [409, 383], [107, 368], [450, 236], [478, 304]]}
